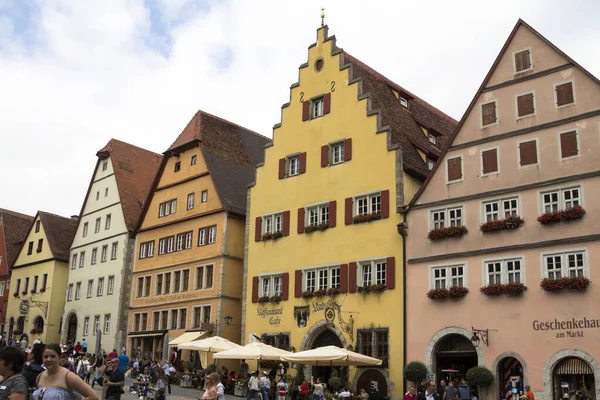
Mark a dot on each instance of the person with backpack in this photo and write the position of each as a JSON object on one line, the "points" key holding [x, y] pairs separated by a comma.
{"points": [[282, 389], [35, 367]]}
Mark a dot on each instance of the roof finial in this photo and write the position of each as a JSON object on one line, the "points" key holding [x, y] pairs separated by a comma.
{"points": [[322, 16]]}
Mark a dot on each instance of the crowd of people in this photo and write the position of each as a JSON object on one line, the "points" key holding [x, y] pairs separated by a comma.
{"points": [[453, 390]]}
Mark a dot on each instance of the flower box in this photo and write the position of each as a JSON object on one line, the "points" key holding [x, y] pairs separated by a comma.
{"points": [[511, 289], [24, 292], [571, 214], [264, 299], [42, 290], [512, 222], [275, 299], [454, 293], [360, 219], [33, 291], [319, 227], [16, 294], [579, 283], [271, 236], [17, 332], [320, 293], [333, 291], [380, 287], [449, 232], [36, 330], [308, 295]]}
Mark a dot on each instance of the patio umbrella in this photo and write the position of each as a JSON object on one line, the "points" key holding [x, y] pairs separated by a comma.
{"points": [[212, 344], [330, 356], [253, 351]]}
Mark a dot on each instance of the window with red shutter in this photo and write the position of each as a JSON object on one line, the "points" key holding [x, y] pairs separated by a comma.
{"points": [[488, 114], [344, 278], [298, 283], [385, 204], [348, 211], [489, 161], [528, 153], [568, 144], [302, 162], [327, 103], [286, 223], [454, 169], [324, 156], [255, 289], [305, 110], [258, 229], [281, 168], [285, 285], [332, 213], [522, 60], [564, 94], [352, 277], [347, 149], [525, 105], [301, 216], [390, 272]]}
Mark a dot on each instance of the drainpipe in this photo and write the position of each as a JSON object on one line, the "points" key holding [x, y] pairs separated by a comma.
{"points": [[403, 231]]}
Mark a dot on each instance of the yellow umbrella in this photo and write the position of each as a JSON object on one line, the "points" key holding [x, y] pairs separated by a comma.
{"points": [[253, 351], [213, 344], [330, 356]]}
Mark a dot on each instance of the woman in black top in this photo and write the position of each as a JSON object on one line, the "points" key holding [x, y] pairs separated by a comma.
{"points": [[14, 385]]}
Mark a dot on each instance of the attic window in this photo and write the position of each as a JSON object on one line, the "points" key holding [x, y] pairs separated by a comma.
{"points": [[522, 61], [177, 166], [193, 162], [432, 139], [430, 164], [319, 65], [403, 102], [104, 165]]}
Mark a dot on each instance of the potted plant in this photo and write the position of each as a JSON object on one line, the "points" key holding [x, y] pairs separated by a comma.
{"points": [[308, 294], [511, 289], [512, 222], [42, 290], [570, 214], [320, 293], [359, 219], [317, 227], [24, 292], [264, 299], [366, 289], [33, 291], [449, 232], [16, 294], [480, 376], [276, 299], [579, 283], [454, 293], [333, 291]]}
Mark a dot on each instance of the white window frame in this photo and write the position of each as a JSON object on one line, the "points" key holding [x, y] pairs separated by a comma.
{"points": [[143, 250], [162, 246], [202, 236], [150, 249], [180, 241], [212, 234], [90, 288], [70, 292], [482, 174], [537, 150], [104, 253], [517, 105], [448, 279], [577, 136], [481, 125], [501, 209], [462, 168], [563, 254], [106, 324], [561, 198], [189, 239], [85, 229], [430, 164], [504, 273], [204, 275], [1, 289], [430, 137], [447, 220], [114, 250], [96, 324], [370, 197], [193, 159], [190, 201], [275, 218], [338, 158], [372, 265], [98, 225], [572, 82], [110, 288], [74, 261], [203, 308], [204, 196], [100, 288], [82, 259], [104, 165], [329, 269], [94, 258], [319, 209], [514, 63], [86, 326], [403, 102], [271, 281], [170, 244], [293, 165], [107, 222], [317, 107], [77, 290]]}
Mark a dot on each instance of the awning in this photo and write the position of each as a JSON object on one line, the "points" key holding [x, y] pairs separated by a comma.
{"points": [[573, 366], [188, 337], [145, 334]]}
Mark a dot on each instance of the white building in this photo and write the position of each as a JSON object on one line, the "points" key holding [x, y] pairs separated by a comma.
{"points": [[102, 252]]}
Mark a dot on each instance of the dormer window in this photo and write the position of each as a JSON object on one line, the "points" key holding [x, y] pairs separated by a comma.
{"points": [[177, 166], [522, 61], [432, 139], [430, 163], [403, 102], [316, 107]]}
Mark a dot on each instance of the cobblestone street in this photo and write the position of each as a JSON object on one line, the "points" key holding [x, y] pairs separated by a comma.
{"points": [[177, 393]]}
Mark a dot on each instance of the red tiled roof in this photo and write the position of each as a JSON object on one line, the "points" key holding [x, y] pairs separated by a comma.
{"points": [[135, 169], [16, 227], [231, 153], [59, 232]]}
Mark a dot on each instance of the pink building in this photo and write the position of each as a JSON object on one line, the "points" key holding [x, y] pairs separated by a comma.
{"points": [[522, 175]]}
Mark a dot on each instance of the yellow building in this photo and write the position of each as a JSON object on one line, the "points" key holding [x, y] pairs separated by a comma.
{"points": [[39, 279], [324, 261], [190, 243]]}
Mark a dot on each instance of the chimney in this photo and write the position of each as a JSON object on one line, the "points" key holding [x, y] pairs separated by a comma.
{"points": [[75, 217]]}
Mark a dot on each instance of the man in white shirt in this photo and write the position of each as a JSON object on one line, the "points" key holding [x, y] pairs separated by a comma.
{"points": [[265, 385]]}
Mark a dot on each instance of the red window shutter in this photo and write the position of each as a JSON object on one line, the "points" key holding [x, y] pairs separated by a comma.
{"points": [[390, 272], [488, 112], [305, 110], [528, 153], [454, 169], [344, 278], [385, 204], [568, 144], [348, 211], [258, 229], [326, 103], [347, 149], [352, 277], [285, 285], [518, 62], [286, 223], [490, 161], [332, 213], [564, 94], [298, 283], [324, 156], [522, 61], [525, 105], [255, 289], [301, 220], [302, 162], [281, 168]]}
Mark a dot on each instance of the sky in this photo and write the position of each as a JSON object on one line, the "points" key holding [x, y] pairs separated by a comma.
{"points": [[74, 74]]}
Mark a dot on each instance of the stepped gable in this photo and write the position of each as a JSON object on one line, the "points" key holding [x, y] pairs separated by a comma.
{"points": [[135, 170], [59, 232], [16, 227], [231, 153], [404, 123]]}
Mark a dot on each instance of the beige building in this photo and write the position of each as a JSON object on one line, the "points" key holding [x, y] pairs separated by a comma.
{"points": [[509, 215]]}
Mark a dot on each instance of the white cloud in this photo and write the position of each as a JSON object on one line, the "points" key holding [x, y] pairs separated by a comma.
{"points": [[81, 73]]}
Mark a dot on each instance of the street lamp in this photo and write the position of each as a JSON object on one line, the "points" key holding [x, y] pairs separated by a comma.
{"points": [[481, 333], [228, 320]]}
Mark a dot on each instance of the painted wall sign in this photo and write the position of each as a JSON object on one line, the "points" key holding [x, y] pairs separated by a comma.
{"points": [[324, 305], [266, 312], [573, 328], [167, 299]]}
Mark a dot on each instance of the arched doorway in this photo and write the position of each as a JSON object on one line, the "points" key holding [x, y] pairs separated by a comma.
{"points": [[372, 377], [72, 328], [20, 326], [326, 338], [574, 378], [507, 368], [454, 355]]}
